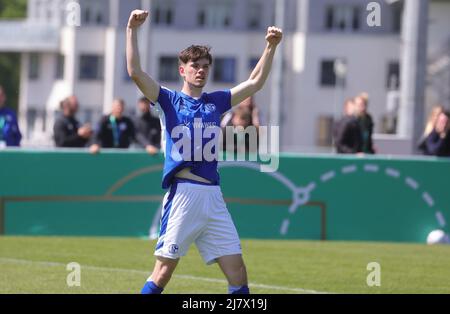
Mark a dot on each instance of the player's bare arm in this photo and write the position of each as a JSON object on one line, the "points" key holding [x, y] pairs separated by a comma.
{"points": [[261, 71], [148, 86]]}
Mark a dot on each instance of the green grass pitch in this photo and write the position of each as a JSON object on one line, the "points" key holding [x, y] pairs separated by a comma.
{"points": [[121, 265]]}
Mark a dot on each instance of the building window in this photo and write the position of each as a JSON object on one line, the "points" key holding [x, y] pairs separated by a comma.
{"points": [[168, 69], [163, 12], [342, 17], [91, 67], [397, 18], [201, 19], [393, 76], [34, 66], [356, 18], [224, 70], [99, 18], [87, 16], [328, 74], [59, 72], [252, 62], [215, 14], [94, 14], [255, 12]]}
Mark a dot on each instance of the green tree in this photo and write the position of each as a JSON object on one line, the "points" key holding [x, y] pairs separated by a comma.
{"points": [[10, 62], [13, 9]]}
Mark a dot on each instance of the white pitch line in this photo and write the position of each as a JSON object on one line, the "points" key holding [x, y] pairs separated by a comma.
{"points": [[284, 226], [146, 273], [440, 218], [392, 172], [349, 169], [327, 176], [311, 187], [412, 183], [371, 168], [427, 198]]}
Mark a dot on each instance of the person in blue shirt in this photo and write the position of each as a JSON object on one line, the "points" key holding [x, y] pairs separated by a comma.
{"points": [[9, 129], [194, 210]]}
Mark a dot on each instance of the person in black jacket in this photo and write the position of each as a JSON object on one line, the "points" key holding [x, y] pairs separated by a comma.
{"points": [[365, 122], [429, 127], [66, 130], [114, 130], [347, 132], [148, 128], [437, 143]]}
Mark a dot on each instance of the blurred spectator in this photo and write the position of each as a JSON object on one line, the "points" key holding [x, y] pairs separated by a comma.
{"points": [[115, 130], [365, 122], [245, 114], [347, 132], [66, 130], [247, 104], [241, 119], [9, 129], [437, 143], [429, 127], [148, 128]]}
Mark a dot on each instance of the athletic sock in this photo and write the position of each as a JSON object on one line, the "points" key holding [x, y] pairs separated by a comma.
{"points": [[151, 288], [238, 289]]}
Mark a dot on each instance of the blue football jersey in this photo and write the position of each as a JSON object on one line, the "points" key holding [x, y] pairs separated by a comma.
{"points": [[191, 127]]}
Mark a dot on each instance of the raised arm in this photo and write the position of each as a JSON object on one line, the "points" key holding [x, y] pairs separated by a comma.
{"points": [[148, 86], [261, 71]]}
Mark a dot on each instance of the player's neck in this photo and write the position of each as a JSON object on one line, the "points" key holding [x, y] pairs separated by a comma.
{"points": [[192, 91]]}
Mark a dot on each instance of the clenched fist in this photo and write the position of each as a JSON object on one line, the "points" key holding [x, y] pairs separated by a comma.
{"points": [[274, 35], [137, 18]]}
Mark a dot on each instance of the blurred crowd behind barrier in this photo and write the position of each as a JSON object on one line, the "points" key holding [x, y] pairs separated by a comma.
{"points": [[335, 53]]}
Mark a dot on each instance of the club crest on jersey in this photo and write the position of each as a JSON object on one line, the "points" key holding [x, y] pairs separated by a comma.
{"points": [[173, 248], [209, 107]]}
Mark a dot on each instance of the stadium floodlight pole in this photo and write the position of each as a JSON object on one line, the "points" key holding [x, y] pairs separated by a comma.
{"points": [[413, 70], [277, 71]]}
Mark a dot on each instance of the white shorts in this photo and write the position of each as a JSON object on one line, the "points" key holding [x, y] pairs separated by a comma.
{"points": [[196, 213]]}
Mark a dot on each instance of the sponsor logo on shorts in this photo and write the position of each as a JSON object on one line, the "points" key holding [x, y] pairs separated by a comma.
{"points": [[173, 248]]}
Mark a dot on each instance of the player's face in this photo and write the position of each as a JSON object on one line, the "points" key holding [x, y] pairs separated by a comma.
{"points": [[117, 109], [196, 73]]}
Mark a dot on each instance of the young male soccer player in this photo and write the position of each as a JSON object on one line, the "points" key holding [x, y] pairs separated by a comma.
{"points": [[193, 208]]}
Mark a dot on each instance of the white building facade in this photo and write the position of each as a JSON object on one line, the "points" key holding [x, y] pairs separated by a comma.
{"points": [[60, 59]]}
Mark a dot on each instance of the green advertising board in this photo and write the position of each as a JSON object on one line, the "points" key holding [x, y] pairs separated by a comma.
{"points": [[324, 197]]}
